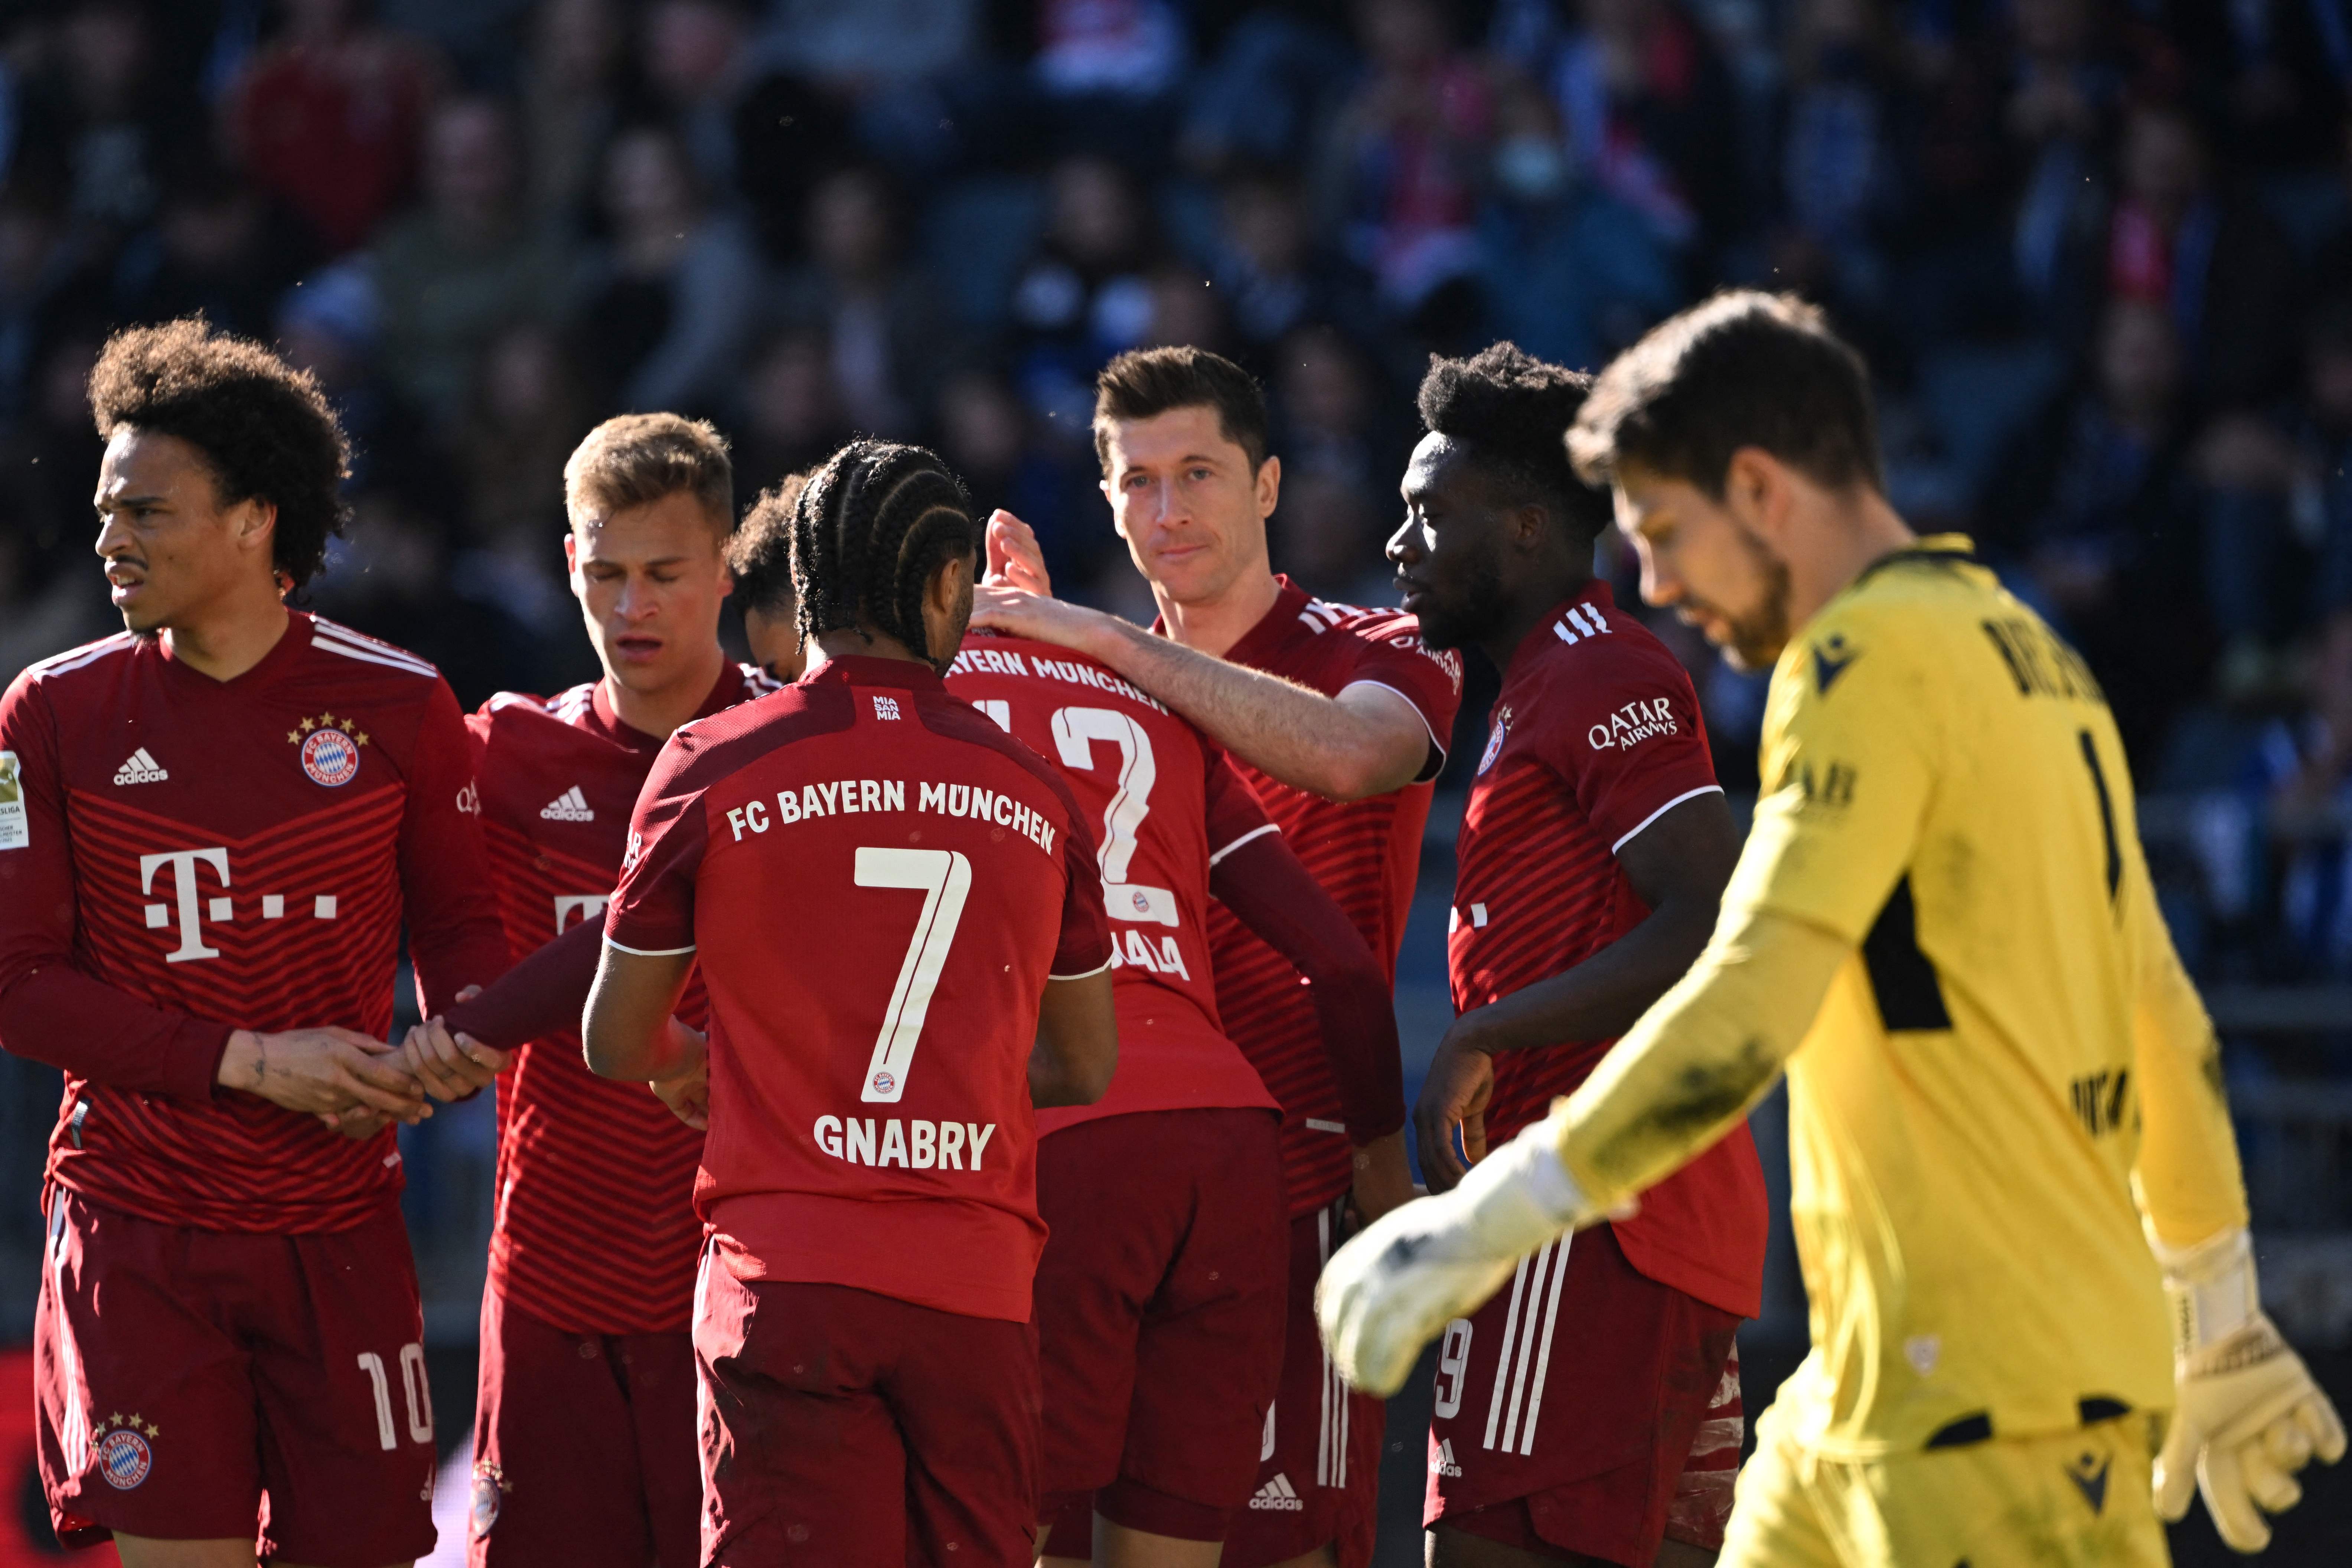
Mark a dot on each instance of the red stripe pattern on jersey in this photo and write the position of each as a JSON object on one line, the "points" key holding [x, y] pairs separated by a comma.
{"points": [[593, 1231], [246, 932], [1365, 853]]}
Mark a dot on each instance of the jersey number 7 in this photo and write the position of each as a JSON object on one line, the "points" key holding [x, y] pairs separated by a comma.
{"points": [[945, 878]]}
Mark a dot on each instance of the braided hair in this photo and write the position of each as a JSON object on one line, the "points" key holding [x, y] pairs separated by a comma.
{"points": [[872, 527]]}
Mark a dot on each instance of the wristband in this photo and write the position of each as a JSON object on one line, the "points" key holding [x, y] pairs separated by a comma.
{"points": [[2210, 1288]]}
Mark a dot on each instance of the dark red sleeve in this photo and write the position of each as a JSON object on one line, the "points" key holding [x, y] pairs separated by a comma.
{"points": [[544, 995], [1390, 653], [1271, 892], [1084, 944], [455, 937], [1625, 735], [652, 909], [50, 1011]]}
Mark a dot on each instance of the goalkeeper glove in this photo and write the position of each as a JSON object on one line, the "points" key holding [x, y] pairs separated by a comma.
{"points": [[1389, 1291], [2249, 1414]]}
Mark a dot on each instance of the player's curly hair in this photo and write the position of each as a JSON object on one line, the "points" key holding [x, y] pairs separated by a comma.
{"points": [[760, 554], [873, 526], [1510, 411], [265, 428]]}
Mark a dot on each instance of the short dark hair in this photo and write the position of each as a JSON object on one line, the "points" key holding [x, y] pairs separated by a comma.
{"points": [[266, 430], [1509, 410], [637, 459], [1144, 382], [760, 554], [1742, 369], [873, 526]]}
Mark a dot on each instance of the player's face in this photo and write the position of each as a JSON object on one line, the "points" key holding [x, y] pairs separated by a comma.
{"points": [[1699, 556], [1449, 551], [170, 548], [1187, 502], [776, 645], [649, 579]]}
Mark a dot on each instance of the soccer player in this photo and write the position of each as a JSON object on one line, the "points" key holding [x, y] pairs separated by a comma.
{"points": [[212, 827], [1593, 849], [761, 557], [583, 1437], [1337, 718], [1161, 1295], [2008, 1133], [895, 909]]}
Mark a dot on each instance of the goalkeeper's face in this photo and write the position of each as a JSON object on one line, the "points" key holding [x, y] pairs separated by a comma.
{"points": [[649, 579], [1712, 565]]}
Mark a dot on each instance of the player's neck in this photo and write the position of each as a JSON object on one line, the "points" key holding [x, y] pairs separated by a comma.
{"points": [[1863, 531], [658, 712], [1211, 626], [1544, 593], [228, 638], [844, 643]]}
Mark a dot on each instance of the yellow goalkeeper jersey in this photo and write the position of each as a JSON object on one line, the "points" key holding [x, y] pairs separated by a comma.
{"points": [[2012, 1044]]}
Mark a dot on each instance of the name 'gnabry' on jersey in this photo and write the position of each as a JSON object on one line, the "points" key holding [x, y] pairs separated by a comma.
{"points": [[188, 856]]}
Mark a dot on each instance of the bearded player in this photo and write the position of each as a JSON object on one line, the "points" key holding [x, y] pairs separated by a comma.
{"points": [[584, 1438], [212, 828], [1337, 718], [2009, 1141], [1594, 847], [895, 909]]}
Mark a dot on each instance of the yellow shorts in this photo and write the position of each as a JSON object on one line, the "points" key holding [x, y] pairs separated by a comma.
{"points": [[2073, 1497]]}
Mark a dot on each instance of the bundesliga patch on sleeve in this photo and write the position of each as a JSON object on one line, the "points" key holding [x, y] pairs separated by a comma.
{"points": [[15, 833]]}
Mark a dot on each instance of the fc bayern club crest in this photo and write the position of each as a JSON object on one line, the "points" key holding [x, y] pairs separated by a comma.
{"points": [[1495, 744], [488, 1485], [331, 748], [124, 1458]]}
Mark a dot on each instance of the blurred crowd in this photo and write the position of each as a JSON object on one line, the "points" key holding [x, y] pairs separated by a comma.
{"points": [[2098, 251]]}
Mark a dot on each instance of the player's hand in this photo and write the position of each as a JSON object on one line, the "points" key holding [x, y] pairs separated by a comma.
{"points": [[2249, 1415], [1015, 560], [319, 1071], [997, 608], [1383, 1179], [1389, 1291], [1454, 1096], [450, 1066], [687, 1092]]}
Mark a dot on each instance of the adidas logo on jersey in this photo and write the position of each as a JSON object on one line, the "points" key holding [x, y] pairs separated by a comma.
{"points": [[1276, 1497], [1443, 1464], [139, 769], [571, 806]]}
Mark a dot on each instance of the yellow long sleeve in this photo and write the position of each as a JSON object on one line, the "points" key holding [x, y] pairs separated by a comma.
{"points": [[2187, 1178]]}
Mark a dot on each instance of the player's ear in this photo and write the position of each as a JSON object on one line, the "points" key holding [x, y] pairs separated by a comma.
{"points": [[253, 522], [1755, 490], [1269, 486]]}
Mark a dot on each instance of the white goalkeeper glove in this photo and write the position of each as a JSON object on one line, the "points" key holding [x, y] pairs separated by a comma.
{"points": [[1391, 1289], [2249, 1415]]}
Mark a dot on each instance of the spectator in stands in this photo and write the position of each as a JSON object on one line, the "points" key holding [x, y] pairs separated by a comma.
{"points": [[104, 121], [1840, 185], [329, 327], [1333, 412], [876, 311], [992, 440], [2062, 87], [1272, 271], [1109, 70], [45, 279], [212, 251], [698, 60], [571, 105], [2301, 771], [1411, 147], [669, 314], [328, 117], [466, 264], [2274, 74], [793, 417], [1083, 297]]}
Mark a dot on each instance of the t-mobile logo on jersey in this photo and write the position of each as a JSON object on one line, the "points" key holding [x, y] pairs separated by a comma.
{"points": [[194, 908]]}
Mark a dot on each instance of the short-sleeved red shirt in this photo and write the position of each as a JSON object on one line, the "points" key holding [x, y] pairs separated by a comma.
{"points": [[1169, 805], [1595, 735], [877, 883], [1365, 853]]}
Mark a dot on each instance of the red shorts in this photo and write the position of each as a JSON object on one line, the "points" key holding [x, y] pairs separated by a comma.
{"points": [[857, 1430], [1160, 1316], [1566, 1407], [1320, 1456], [1702, 1504], [583, 1447], [193, 1384]]}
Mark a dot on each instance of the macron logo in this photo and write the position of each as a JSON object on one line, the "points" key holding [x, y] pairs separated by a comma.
{"points": [[140, 768], [1276, 1497], [571, 806]]}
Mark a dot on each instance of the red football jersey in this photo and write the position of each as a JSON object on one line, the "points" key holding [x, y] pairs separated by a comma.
{"points": [[878, 884], [1596, 734], [1171, 805], [594, 1230], [1366, 854], [180, 857]]}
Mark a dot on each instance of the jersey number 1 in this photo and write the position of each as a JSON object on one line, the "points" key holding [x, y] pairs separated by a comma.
{"points": [[2106, 813], [945, 878]]}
